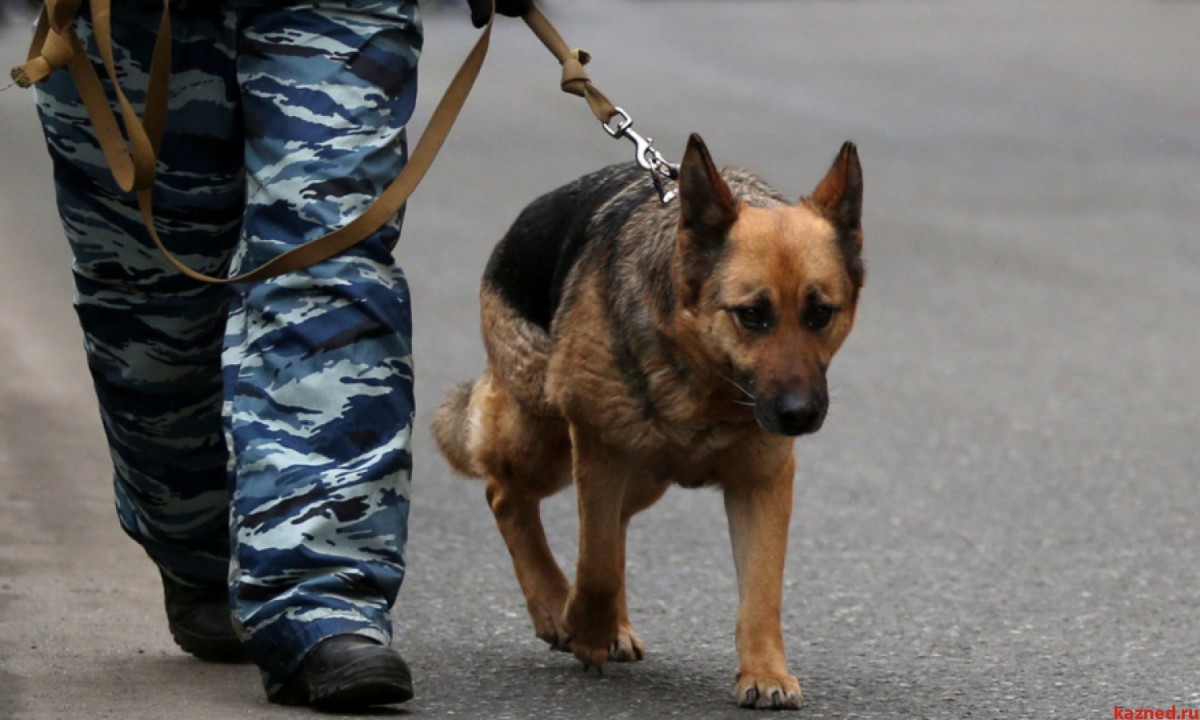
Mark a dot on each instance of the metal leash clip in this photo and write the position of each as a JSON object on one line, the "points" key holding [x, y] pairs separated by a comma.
{"points": [[647, 157]]}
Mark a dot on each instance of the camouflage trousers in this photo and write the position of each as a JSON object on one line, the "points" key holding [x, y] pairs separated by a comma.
{"points": [[260, 434]]}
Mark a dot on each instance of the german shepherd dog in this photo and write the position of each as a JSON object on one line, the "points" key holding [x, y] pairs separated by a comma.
{"points": [[632, 345]]}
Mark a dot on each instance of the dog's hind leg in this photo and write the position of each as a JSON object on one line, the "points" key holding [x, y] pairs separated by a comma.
{"points": [[518, 517], [525, 460]]}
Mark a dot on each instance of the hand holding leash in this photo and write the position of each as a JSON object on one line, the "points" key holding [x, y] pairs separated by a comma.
{"points": [[481, 10], [132, 154]]}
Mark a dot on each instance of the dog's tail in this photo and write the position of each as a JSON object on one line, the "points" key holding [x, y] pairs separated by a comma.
{"points": [[452, 430]]}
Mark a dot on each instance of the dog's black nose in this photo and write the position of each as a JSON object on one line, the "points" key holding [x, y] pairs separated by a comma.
{"points": [[799, 413]]}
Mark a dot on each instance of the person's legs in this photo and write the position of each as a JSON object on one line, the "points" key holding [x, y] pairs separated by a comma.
{"points": [[318, 366], [153, 338]]}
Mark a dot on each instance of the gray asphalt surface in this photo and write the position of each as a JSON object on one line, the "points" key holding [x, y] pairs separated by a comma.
{"points": [[1000, 518]]}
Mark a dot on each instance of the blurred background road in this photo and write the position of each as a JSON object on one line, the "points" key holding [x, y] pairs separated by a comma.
{"points": [[1000, 518]]}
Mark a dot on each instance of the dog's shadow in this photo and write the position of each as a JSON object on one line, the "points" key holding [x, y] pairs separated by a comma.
{"points": [[667, 684], [655, 687], [674, 682]]}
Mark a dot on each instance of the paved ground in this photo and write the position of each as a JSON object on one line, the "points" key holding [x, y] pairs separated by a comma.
{"points": [[1000, 519]]}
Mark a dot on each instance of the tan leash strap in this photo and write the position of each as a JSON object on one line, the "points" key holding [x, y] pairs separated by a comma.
{"points": [[133, 162], [575, 79], [46, 53], [132, 157], [385, 206], [143, 153], [51, 47]]}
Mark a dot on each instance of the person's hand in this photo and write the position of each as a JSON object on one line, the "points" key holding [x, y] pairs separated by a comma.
{"points": [[481, 10]]}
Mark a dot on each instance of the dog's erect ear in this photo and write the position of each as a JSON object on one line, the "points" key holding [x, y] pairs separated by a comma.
{"points": [[706, 204], [838, 197], [707, 210]]}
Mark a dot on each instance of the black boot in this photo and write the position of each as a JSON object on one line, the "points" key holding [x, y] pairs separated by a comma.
{"points": [[200, 622], [348, 672]]}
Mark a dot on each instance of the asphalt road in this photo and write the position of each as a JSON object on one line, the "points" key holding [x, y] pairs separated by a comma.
{"points": [[1000, 518]]}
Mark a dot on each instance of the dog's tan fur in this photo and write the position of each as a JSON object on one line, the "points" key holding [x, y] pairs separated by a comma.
{"points": [[652, 372]]}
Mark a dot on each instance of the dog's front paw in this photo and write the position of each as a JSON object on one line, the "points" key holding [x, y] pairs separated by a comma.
{"points": [[591, 621], [546, 612], [552, 632], [774, 691], [628, 647]]}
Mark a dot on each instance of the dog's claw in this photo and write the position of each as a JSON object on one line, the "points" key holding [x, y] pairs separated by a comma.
{"points": [[749, 697], [556, 643], [627, 646], [775, 692]]}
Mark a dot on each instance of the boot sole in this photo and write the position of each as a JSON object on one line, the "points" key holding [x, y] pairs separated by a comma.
{"points": [[380, 680], [214, 650]]}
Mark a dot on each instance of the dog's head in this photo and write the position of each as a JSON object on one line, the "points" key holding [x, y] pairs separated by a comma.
{"points": [[770, 293]]}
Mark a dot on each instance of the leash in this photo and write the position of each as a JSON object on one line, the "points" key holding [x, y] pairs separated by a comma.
{"points": [[575, 80], [132, 155]]}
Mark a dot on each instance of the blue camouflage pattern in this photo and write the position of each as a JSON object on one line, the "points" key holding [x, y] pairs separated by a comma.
{"points": [[260, 434]]}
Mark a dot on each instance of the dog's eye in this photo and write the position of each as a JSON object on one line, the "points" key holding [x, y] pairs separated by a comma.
{"points": [[818, 317], [753, 317]]}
